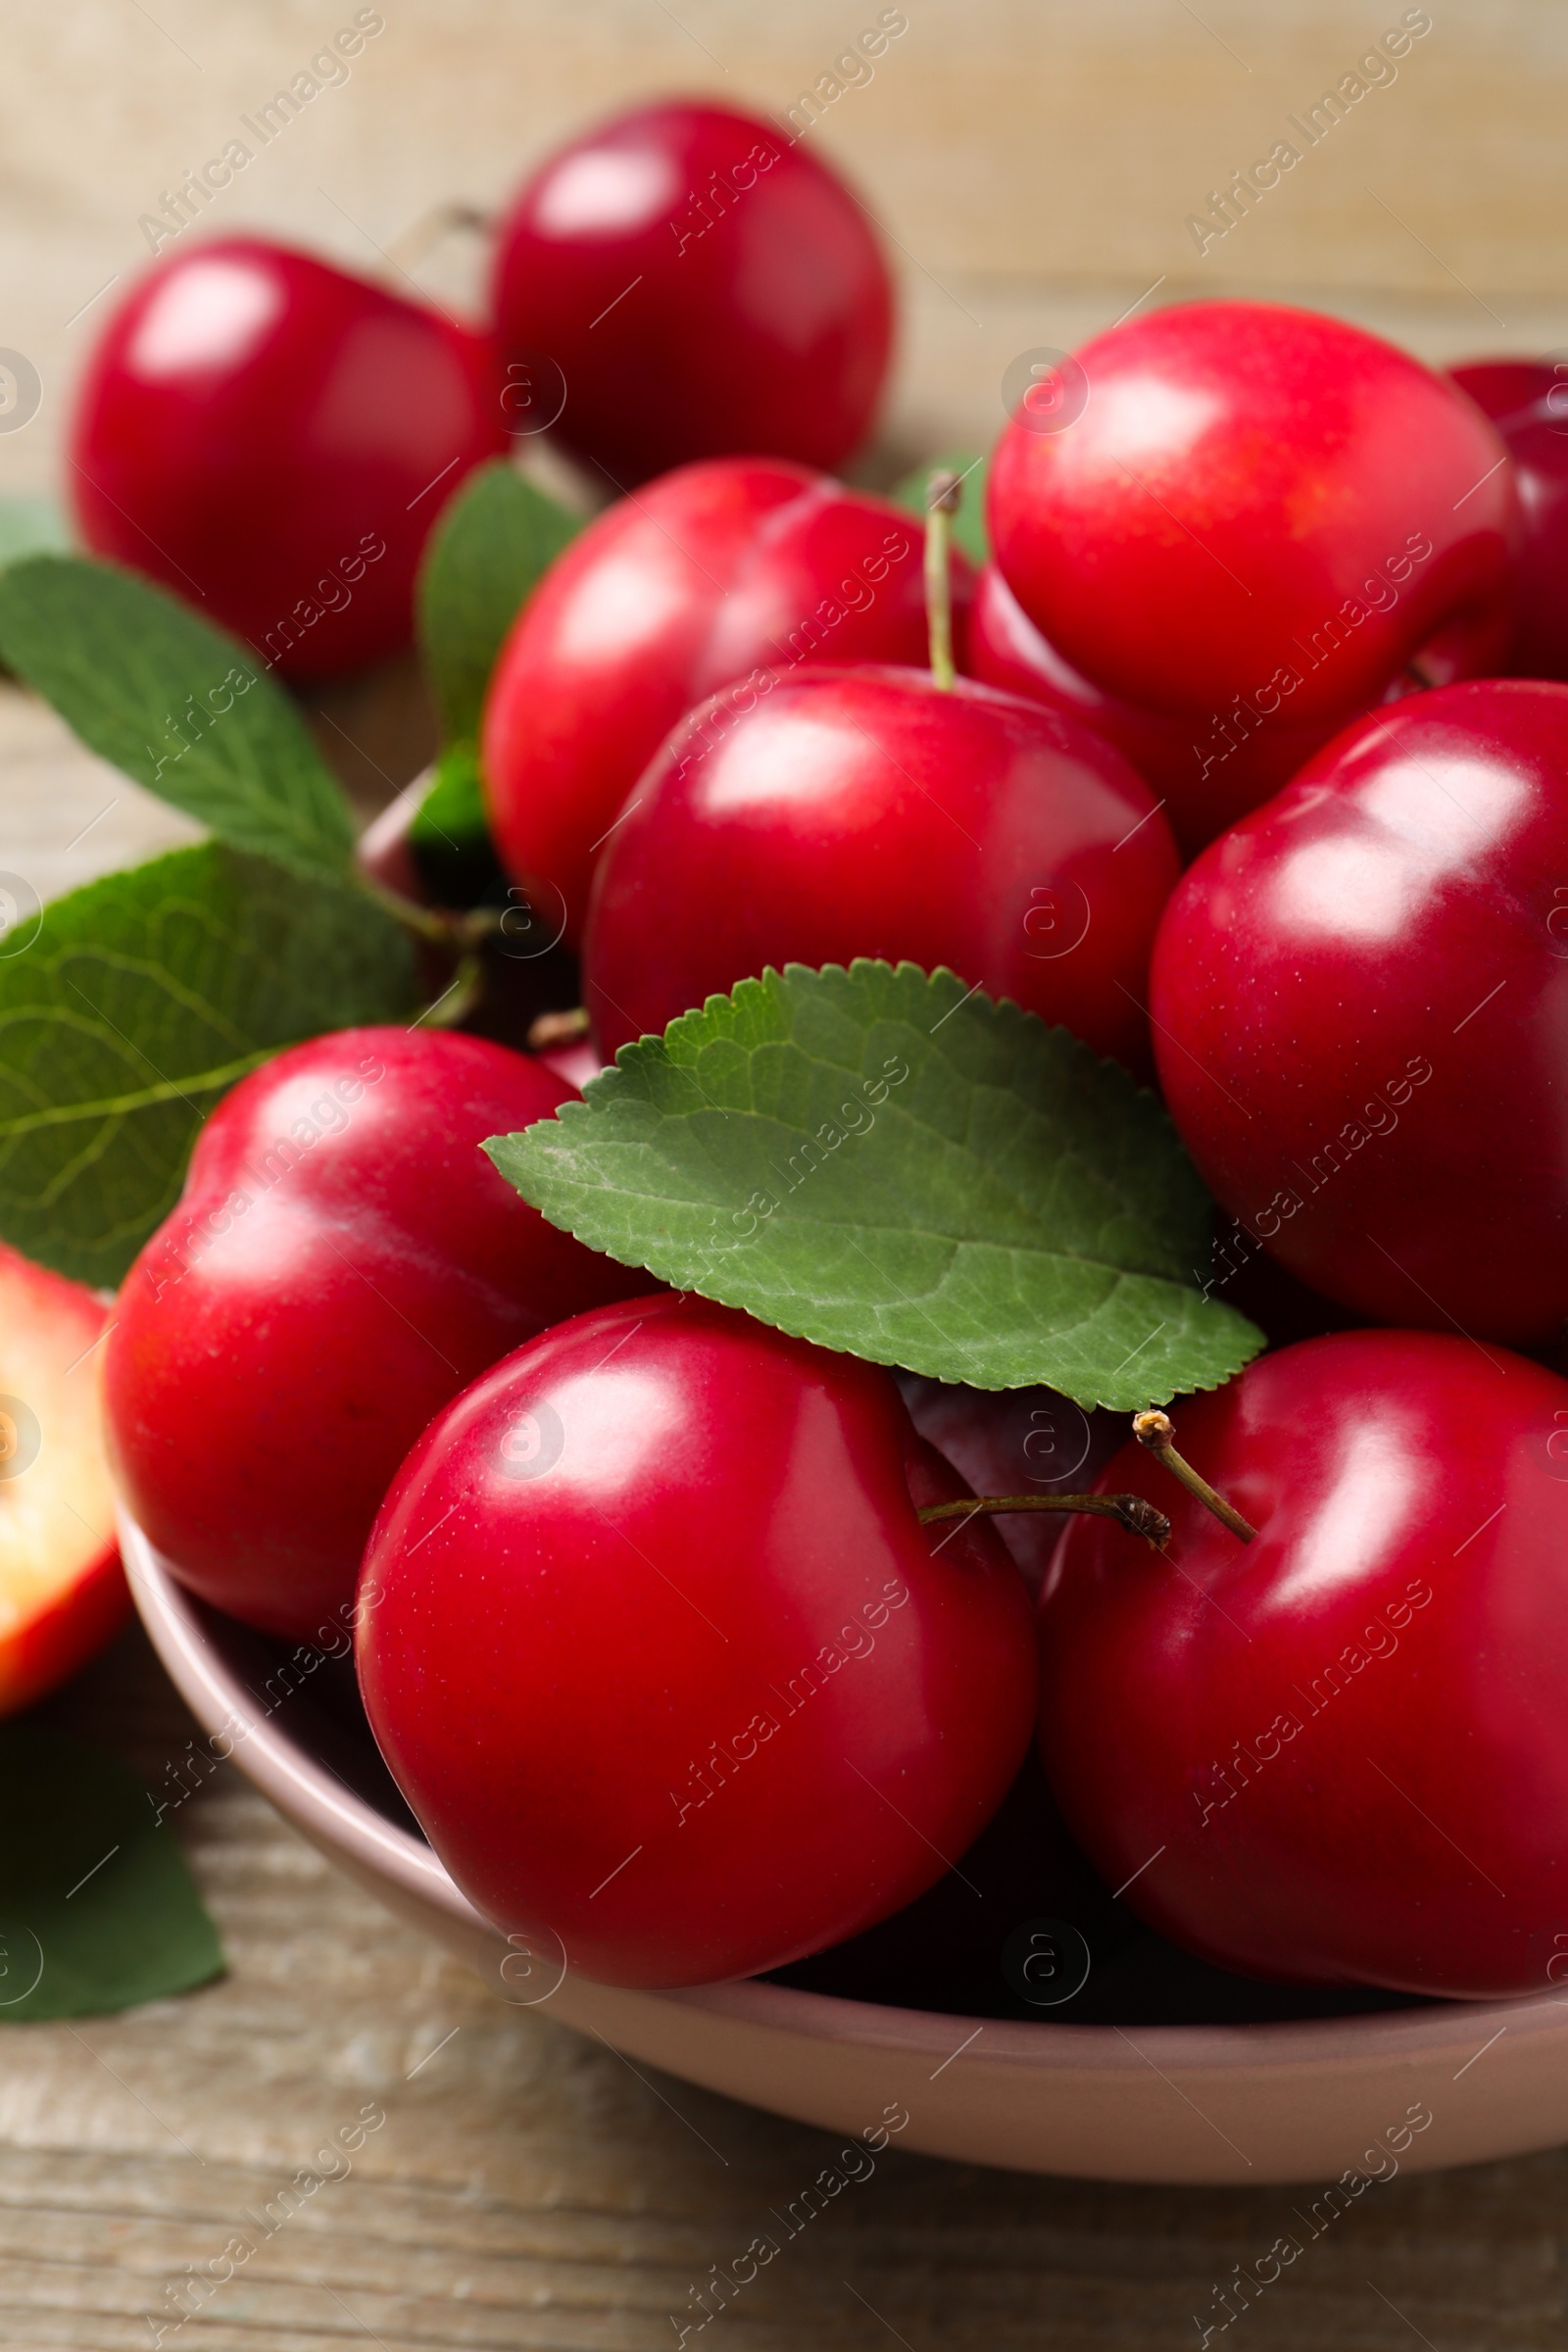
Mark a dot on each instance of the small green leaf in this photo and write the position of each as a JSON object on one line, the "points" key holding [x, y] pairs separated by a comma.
{"points": [[32, 526], [969, 528], [896, 1167], [449, 837], [97, 1908], [177, 703], [493, 541], [139, 1002]]}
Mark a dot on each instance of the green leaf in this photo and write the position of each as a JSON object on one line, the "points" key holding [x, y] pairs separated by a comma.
{"points": [[495, 539], [969, 530], [97, 1908], [139, 1002], [32, 526], [449, 837], [177, 703], [890, 1165]]}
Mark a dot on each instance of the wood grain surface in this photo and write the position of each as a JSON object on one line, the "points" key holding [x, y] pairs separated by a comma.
{"points": [[530, 2187], [1034, 165]]}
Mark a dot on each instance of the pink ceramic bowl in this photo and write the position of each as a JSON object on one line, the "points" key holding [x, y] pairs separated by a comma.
{"points": [[1253, 2103]]}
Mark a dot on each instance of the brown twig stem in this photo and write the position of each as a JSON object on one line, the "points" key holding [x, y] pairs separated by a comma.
{"points": [[1154, 1430], [1138, 1516]]}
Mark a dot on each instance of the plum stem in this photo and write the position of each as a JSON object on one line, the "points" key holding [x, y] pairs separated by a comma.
{"points": [[1154, 1430], [459, 999], [942, 495], [456, 929], [424, 921], [431, 229], [548, 1032], [1139, 1518]]}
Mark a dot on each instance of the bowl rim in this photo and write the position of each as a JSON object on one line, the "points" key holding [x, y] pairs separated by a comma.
{"points": [[337, 1817]]}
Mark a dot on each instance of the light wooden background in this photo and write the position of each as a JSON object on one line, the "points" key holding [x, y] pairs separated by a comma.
{"points": [[1035, 162], [1034, 159]]}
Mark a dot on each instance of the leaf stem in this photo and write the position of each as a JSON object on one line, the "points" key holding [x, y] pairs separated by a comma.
{"points": [[457, 930], [1138, 1516], [458, 1000], [422, 236], [457, 933], [426, 921], [548, 1032], [941, 495], [1154, 1430]]}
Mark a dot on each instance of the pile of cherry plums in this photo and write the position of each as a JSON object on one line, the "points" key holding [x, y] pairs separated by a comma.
{"points": [[272, 437], [1254, 775]]}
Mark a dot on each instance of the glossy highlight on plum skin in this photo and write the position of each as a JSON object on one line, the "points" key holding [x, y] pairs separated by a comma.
{"points": [[1258, 504], [658, 1649], [706, 287], [343, 1258], [1334, 1755], [710, 576], [865, 811], [271, 439], [1360, 1007]]}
